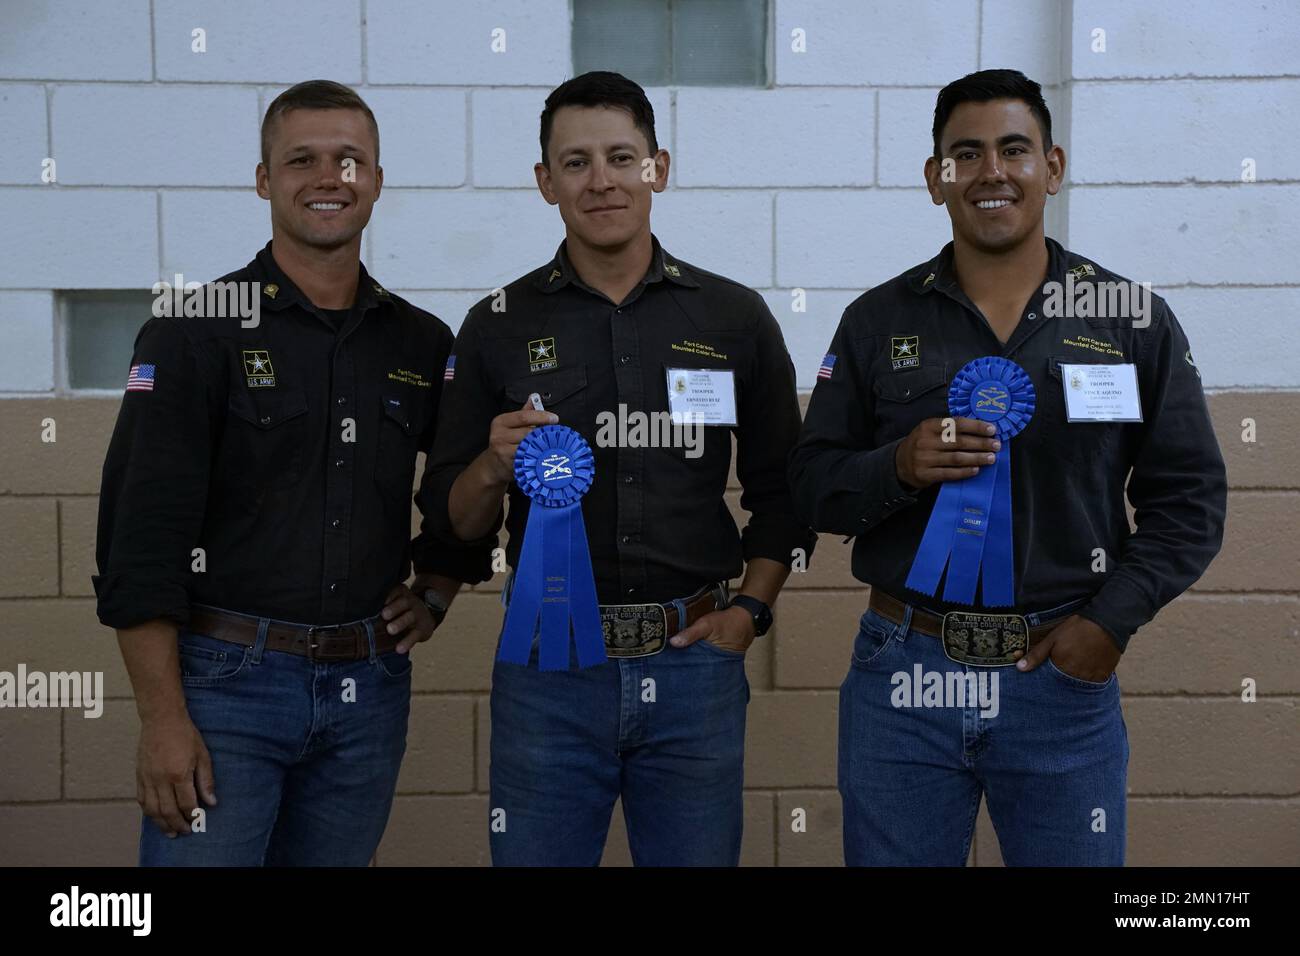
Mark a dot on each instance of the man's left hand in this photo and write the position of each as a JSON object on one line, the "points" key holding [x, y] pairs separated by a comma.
{"points": [[405, 612], [731, 629], [1079, 648]]}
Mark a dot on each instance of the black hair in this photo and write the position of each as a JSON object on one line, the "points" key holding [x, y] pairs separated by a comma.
{"points": [[992, 85], [600, 88]]}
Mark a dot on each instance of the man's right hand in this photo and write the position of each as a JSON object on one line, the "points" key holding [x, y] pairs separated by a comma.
{"points": [[923, 458], [172, 770], [507, 432]]}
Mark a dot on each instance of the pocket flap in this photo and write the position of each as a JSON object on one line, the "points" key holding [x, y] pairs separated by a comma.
{"points": [[267, 412], [553, 387], [397, 409], [911, 385]]}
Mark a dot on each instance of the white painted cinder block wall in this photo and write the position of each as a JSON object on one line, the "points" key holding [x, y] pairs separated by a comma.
{"points": [[813, 184]]}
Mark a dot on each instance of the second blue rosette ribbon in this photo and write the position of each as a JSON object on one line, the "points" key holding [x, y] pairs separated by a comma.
{"points": [[970, 527], [553, 582]]}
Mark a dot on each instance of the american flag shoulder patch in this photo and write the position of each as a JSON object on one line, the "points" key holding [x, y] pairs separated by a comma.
{"points": [[140, 378], [827, 366], [450, 372]]}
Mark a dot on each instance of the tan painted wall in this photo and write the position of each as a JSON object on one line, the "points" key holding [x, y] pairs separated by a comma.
{"points": [[1212, 780]]}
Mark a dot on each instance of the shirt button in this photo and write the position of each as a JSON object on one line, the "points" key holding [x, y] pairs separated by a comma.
{"points": [[266, 419], [338, 463], [631, 590], [1031, 316], [624, 359], [628, 479], [342, 400], [627, 539], [334, 588], [335, 523]]}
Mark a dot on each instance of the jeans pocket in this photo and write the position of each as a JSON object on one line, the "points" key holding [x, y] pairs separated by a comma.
{"points": [[720, 651], [875, 636], [1078, 682], [206, 662], [394, 665]]}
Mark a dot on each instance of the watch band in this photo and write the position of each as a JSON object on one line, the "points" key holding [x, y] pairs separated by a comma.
{"points": [[760, 612], [435, 603]]}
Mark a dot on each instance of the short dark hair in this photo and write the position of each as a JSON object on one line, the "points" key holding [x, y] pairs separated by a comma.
{"points": [[992, 85], [600, 88], [314, 95]]}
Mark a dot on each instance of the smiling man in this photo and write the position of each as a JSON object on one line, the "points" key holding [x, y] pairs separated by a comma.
{"points": [[254, 526], [614, 323], [1116, 401]]}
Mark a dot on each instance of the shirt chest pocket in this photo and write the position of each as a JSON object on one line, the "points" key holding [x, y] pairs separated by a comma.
{"points": [[905, 399], [402, 420], [1090, 442], [563, 392], [265, 438]]}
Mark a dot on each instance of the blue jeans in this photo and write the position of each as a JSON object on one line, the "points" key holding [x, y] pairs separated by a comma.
{"points": [[665, 732], [305, 764], [1051, 757]]}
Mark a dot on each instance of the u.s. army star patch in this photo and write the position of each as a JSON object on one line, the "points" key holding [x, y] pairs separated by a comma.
{"points": [[541, 355], [905, 351], [257, 368]]}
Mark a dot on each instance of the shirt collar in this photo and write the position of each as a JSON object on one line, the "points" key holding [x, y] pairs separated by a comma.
{"points": [[939, 273], [279, 291], [560, 272]]}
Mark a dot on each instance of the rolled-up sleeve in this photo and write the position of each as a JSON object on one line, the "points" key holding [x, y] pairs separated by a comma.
{"points": [[464, 421], [841, 482], [436, 550], [154, 488], [1178, 489], [768, 428]]}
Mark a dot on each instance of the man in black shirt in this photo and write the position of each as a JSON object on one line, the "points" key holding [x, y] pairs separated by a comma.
{"points": [[254, 526], [611, 336], [1118, 401]]}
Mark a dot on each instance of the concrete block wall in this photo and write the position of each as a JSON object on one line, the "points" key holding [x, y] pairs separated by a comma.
{"points": [[813, 184]]}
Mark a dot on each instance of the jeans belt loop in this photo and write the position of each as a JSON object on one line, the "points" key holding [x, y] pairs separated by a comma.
{"points": [[906, 625], [370, 639], [680, 607], [259, 645]]}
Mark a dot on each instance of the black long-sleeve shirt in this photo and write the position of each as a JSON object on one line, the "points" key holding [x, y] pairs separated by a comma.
{"points": [[657, 524], [896, 351], [235, 441]]}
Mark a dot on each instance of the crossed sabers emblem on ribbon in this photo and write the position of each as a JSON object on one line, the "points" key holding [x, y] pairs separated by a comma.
{"points": [[557, 466], [993, 396]]}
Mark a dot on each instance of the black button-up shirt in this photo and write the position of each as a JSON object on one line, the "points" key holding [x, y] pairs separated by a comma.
{"points": [[897, 349], [285, 451], [657, 524]]}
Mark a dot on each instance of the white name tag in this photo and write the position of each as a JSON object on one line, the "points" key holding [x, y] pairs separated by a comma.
{"points": [[1101, 393], [705, 395]]}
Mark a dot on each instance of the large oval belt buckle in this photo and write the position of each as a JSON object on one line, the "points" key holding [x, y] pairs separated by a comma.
{"points": [[633, 630], [984, 640]]}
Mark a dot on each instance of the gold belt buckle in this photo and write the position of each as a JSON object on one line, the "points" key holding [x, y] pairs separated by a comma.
{"points": [[633, 630], [984, 640]]}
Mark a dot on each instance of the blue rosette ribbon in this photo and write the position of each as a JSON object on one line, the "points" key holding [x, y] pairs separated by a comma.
{"points": [[553, 581], [970, 526]]}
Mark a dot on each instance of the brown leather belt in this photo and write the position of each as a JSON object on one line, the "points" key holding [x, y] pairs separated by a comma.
{"points": [[639, 630], [925, 622], [978, 637], [330, 642]]}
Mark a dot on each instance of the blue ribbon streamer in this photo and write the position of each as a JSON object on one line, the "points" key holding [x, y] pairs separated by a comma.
{"points": [[969, 530], [554, 590]]}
